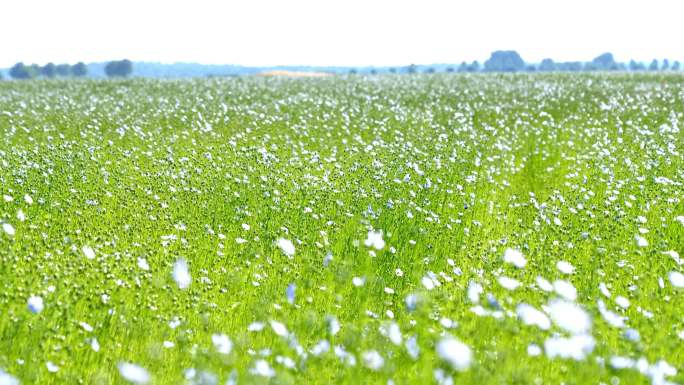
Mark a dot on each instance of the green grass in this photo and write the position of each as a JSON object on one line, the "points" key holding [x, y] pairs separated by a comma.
{"points": [[481, 163]]}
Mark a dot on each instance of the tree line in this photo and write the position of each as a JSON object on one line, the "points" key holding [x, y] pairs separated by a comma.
{"points": [[511, 61], [116, 68]]}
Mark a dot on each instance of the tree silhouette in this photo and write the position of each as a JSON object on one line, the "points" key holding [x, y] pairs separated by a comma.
{"points": [[20, 71], [63, 70], [79, 69], [547, 65], [604, 62], [504, 61], [119, 68], [653, 66], [48, 70]]}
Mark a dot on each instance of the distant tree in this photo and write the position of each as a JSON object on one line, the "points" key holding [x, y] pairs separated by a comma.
{"points": [[393, 70], [634, 66], [604, 62], [373, 71], [653, 66], [412, 69], [63, 70], [48, 70], [79, 69], [119, 68], [34, 69], [463, 67], [353, 71], [666, 65], [20, 71], [450, 69], [504, 61], [430, 70], [547, 65], [474, 66], [675, 66]]}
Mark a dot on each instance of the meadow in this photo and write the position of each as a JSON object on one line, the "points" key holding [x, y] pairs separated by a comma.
{"points": [[445, 228]]}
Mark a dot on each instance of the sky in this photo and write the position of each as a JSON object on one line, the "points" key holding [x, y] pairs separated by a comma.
{"points": [[336, 32]]}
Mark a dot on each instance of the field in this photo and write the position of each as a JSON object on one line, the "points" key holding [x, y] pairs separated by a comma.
{"points": [[466, 229]]}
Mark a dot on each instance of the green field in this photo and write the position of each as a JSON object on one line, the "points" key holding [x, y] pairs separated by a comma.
{"points": [[480, 229]]}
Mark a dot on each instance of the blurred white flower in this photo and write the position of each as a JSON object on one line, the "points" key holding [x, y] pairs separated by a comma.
{"points": [[286, 246], [375, 240], [181, 274], [455, 353], [134, 373], [88, 251], [372, 360], [35, 304], [222, 343], [514, 257]]}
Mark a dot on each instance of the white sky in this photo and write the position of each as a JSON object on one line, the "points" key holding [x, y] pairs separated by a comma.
{"points": [[336, 32]]}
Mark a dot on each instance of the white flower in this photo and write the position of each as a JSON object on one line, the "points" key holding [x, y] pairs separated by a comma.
{"points": [[677, 279], [565, 267], [641, 241], [88, 252], [429, 283], [35, 304], [286, 246], [28, 199], [262, 368], [611, 318], [94, 344], [255, 327], [544, 284], [142, 263], [565, 290], [576, 347], [622, 302], [474, 291], [322, 347], [531, 316], [569, 316], [509, 283], [619, 362], [394, 333], [375, 240], [455, 353], [134, 373], [86, 326], [372, 360], [515, 257], [7, 379], [333, 325], [222, 343], [181, 274], [8, 229], [533, 350], [412, 347], [245, 227], [278, 328], [51, 367]]}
